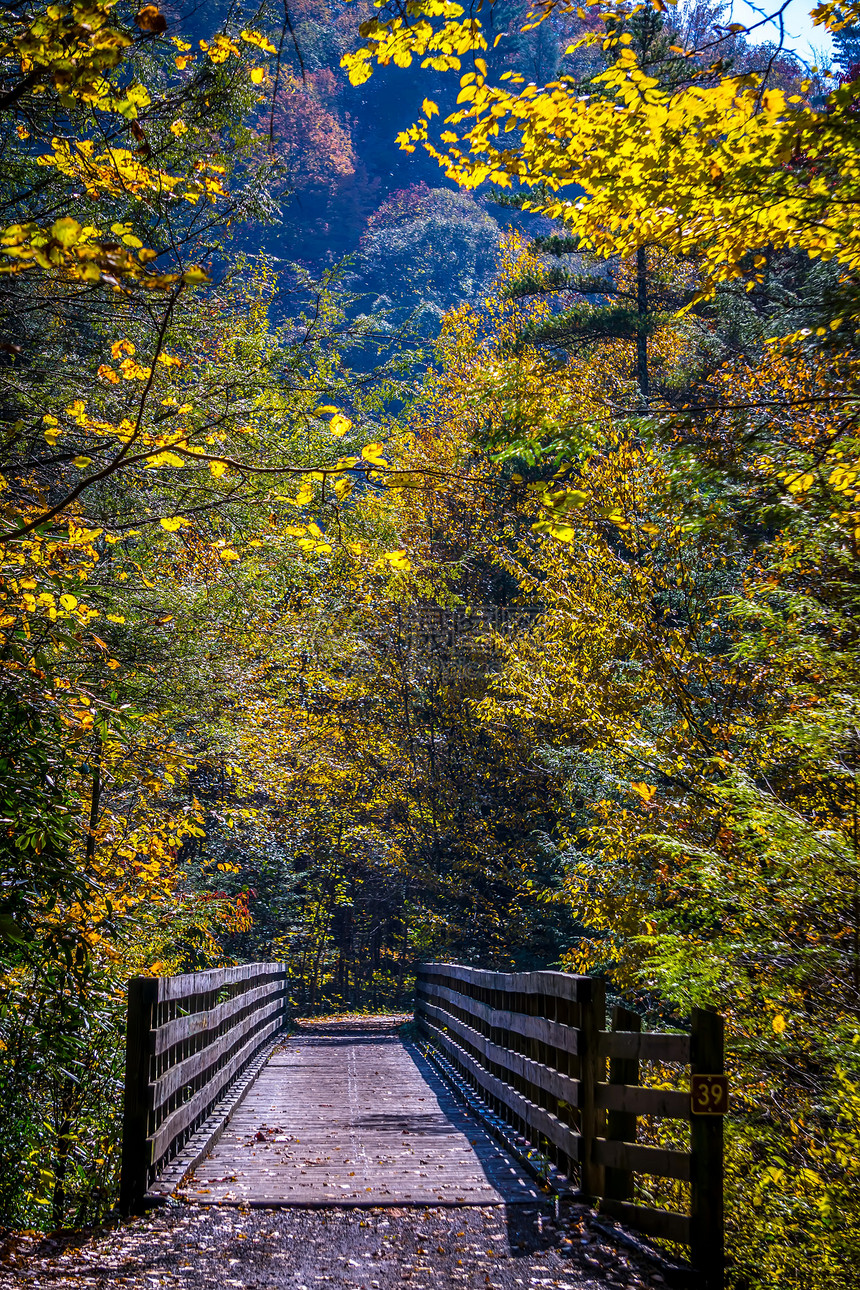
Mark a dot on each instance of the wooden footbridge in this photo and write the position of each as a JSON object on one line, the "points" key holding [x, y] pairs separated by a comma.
{"points": [[514, 1088]]}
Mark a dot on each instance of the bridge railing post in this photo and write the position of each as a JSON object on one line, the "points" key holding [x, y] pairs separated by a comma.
{"points": [[707, 1219], [593, 996], [621, 1125], [419, 1001], [142, 998]]}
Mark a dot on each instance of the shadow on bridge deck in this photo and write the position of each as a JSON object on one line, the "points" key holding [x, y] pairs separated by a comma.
{"points": [[350, 1114]]}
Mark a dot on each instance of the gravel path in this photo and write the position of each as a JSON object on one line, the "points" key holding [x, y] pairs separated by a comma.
{"points": [[206, 1248]]}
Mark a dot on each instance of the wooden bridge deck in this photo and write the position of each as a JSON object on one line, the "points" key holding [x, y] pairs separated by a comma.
{"points": [[351, 1115]]}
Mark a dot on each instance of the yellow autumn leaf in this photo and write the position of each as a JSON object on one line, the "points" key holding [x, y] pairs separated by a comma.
{"points": [[257, 75], [261, 41], [339, 425], [778, 1024], [66, 231], [218, 468], [195, 275], [229, 554], [165, 459], [68, 601], [173, 523]]}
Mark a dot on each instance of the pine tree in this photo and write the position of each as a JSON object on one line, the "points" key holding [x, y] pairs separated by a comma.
{"points": [[610, 303], [846, 50]]}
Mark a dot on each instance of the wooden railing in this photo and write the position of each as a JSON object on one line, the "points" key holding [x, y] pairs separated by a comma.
{"points": [[535, 1047], [188, 1039]]}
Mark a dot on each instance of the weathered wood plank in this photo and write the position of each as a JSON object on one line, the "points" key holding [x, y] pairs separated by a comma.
{"points": [[647, 1047], [540, 1121], [653, 1222], [189, 1068], [172, 988], [706, 1140], [557, 985], [142, 998], [364, 1122], [659, 1161], [553, 1033], [592, 1072], [668, 1103], [200, 1023], [621, 1123], [540, 1076], [198, 1105]]}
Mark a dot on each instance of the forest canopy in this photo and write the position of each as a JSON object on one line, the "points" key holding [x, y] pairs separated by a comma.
{"points": [[437, 551]]}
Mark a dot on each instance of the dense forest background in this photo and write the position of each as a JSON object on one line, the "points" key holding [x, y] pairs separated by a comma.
{"points": [[436, 550]]}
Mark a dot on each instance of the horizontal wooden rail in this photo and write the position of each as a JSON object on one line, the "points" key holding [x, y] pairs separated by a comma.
{"points": [[188, 1039], [535, 1047]]}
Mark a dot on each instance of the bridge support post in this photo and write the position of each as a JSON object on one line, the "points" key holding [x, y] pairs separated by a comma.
{"points": [[142, 996]]}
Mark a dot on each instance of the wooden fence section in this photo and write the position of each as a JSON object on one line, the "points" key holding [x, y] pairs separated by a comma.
{"points": [[535, 1046], [189, 1037]]}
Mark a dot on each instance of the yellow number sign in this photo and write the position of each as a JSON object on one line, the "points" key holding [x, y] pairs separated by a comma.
{"points": [[709, 1094]]}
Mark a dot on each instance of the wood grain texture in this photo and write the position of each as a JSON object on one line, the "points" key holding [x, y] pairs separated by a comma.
{"points": [[142, 998], [199, 1064], [207, 1022], [621, 1121], [191, 984], [201, 1101], [536, 1074], [668, 1103], [355, 1119], [552, 1033], [661, 1162], [540, 1123], [556, 985], [647, 1047], [188, 1039], [706, 1140]]}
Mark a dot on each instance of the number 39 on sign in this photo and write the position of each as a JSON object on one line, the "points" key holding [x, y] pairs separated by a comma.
{"points": [[709, 1094]]}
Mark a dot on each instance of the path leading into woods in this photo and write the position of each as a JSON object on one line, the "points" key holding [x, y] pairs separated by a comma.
{"points": [[379, 1178]]}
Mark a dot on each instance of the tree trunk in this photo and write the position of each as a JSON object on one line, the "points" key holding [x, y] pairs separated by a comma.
{"points": [[95, 800], [642, 311], [61, 1153]]}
